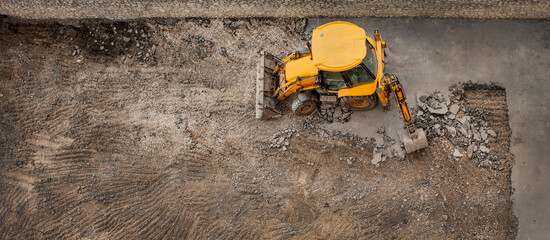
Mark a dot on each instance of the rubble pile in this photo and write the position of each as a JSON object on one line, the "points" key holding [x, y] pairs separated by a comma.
{"points": [[465, 128], [282, 139], [440, 117], [384, 147], [128, 40], [311, 125], [336, 113]]}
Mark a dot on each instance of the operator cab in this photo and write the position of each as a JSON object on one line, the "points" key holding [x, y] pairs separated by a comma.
{"points": [[363, 73], [344, 55]]}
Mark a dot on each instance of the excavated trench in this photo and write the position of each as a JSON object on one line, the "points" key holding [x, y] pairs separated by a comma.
{"points": [[146, 130]]}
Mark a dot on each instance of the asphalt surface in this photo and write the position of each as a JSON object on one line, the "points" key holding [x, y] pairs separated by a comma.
{"points": [[432, 54]]}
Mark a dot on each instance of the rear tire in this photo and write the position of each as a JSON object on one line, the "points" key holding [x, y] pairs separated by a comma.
{"points": [[359, 103], [304, 104]]}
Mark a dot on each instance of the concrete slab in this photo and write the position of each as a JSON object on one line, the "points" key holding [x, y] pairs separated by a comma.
{"points": [[432, 54]]}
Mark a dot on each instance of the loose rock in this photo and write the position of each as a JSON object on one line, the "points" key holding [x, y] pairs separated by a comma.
{"points": [[457, 154], [421, 98], [454, 109], [398, 151], [470, 151], [439, 111], [376, 158], [483, 135], [451, 130], [484, 149], [463, 131], [465, 120], [477, 137], [379, 141]]}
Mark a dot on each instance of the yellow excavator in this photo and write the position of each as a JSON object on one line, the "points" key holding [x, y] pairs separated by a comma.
{"points": [[341, 66]]}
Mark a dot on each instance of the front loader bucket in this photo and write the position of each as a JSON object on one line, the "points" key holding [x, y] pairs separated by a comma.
{"points": [[415, 141], [266, 81]]}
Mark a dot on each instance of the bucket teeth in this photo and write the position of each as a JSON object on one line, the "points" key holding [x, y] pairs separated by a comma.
{"points": [[265, 85]]}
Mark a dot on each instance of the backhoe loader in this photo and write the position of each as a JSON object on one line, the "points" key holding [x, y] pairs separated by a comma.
{"points": [[341, 66]]}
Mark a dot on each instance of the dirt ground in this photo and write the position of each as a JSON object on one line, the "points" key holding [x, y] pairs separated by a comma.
{"points": [[146, 130]]}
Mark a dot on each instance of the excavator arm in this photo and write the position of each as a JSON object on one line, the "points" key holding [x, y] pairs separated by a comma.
{"points": [[393, 86], [416, 138]]}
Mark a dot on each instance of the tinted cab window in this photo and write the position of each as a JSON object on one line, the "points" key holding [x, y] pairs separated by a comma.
{"points": [[355, 76]]}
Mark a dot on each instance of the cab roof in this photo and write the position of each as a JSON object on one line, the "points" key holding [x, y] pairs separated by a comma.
{"points": [[338, 46]]}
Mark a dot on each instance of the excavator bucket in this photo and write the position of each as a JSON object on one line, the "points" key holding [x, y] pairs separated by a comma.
{"points": [[266, 82], [415, 141]]}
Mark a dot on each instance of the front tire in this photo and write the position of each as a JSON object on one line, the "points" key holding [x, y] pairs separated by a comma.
{"points": [[304, 104]]}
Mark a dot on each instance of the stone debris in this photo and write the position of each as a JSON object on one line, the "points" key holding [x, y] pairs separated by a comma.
{"points": [[334, 114], [383, 146], [484, 135], [439, 116], [348, 160], [281, 139], [465, 120], [484, 149], [386, 146], [454, 109], [439, 108], [432, 103], [439, 96], [451, 130], [463, 131], [312, 126], [470, 151], [107, 40], [379, 141], [449, 118], [421, 98], [457, 154], [443, 110], [477, 137], [299, 25], [376, 159], [398, 151]]}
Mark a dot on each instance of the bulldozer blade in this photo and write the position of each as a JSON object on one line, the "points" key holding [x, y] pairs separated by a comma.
{"points": [[415, 141], [265, 85]]}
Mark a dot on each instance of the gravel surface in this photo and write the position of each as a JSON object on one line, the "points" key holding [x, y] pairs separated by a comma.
{"points": [[146, 130]]}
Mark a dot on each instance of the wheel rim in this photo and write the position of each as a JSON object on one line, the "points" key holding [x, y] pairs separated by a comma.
{"points": [[360, 103], [306, 108]]}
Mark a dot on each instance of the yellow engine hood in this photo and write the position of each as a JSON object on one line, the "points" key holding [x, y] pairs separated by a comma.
{"points": [[338, 46], [302, 67]]}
